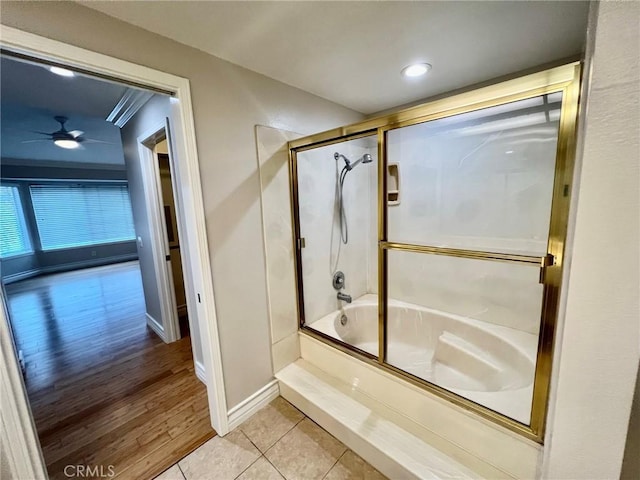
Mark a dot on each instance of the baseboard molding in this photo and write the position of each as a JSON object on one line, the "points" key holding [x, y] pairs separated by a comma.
{"points": [[251, 405], [68, 266], [16, 277], [200, 372], [156, 326]]}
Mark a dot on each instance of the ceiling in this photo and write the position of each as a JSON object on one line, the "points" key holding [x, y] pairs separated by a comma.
{"points": [[33, 85], [30, 96], [352, 52]]}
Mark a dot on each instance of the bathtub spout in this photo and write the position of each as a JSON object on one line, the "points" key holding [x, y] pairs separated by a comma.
{"points": [[344, 297]]}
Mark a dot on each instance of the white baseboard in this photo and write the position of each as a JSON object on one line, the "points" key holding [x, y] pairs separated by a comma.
{"points": [[251, 405], [65, 267], [200, 372], [156, 326], [16, 277]]}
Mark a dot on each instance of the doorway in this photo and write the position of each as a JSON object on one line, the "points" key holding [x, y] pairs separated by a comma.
{"points": [[198, 287], [165, 184], [105, 390]]}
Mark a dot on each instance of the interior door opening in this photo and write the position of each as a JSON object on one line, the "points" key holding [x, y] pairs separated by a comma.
{"points": [[73, 212], [167, 212]]}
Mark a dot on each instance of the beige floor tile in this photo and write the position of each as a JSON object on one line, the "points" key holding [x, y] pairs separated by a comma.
{"points": [[261, 470], [305, 453], [352, 467], [271, 423], [220, 458], [172, 473]]}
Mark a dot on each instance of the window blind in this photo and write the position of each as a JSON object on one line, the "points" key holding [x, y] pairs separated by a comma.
{"points": [[14, 237], [78, 215]]}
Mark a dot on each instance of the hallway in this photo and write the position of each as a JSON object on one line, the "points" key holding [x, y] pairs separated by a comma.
{"points": [[103, 388]]}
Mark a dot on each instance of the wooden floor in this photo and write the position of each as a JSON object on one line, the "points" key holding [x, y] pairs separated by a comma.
{"points": [[103, 388]]}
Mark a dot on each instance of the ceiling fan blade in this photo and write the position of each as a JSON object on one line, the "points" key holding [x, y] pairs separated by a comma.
{"points": [[41, 133], [38, 140], [76, 133], [91, 140]]}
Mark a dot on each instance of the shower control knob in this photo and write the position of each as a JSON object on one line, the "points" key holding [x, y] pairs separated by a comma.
{"points": [[338, 280]]}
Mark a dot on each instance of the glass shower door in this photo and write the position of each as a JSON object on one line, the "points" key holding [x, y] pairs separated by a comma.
{"points": [[468, 230], [337, 208]]}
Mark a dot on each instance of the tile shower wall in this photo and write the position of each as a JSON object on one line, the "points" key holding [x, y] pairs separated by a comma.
{"points": [[487, 191], [324, 252]]}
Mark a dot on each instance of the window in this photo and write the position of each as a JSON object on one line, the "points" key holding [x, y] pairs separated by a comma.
{"points": [[76, 215], [14, 237]]}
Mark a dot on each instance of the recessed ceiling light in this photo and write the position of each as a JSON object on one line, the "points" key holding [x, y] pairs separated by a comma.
{"points": [[63, 72], [67, 143], [416, 69]]}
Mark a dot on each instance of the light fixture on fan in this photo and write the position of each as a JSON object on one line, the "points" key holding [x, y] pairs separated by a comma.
{"points": [[65, 143]]}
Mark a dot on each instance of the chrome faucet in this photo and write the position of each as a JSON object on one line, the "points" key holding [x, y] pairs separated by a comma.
{"points": [[344, 297]]}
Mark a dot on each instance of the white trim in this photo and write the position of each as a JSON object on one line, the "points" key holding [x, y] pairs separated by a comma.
{"points": [[252, 404], [128, 106], [195, 246], [156, 225], [199, 284], [16, 277], [200, 372], [65, 267], [17, 430], [156, 326]]}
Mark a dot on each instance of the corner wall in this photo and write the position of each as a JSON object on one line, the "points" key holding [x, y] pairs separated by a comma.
{"points": [[228, 101], [152, 114], [597, 354]]}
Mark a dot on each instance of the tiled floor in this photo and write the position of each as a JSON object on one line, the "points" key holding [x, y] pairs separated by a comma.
{"points": [[277, 443]]}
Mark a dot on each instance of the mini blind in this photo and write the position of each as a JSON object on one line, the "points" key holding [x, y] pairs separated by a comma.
{"points": [[78, 215], [14, 237]]}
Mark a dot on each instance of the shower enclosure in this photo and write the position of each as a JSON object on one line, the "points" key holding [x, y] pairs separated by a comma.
{"points": [[430, 242]]}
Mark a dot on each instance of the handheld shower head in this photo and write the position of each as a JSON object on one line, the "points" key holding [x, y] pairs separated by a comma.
{"points": [[366, 158], [348, 166]]}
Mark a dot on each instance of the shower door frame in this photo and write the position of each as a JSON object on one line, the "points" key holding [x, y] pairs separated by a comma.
{"points": [[564, 79]]}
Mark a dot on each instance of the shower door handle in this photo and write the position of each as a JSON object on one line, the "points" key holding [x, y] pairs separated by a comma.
{"points": [[545, 262]]}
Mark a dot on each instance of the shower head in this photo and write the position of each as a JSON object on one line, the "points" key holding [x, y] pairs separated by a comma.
{"points": [[366, 158]]}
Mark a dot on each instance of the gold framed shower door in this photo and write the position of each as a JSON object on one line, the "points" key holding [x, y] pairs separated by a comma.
{"points": [[564, 79]]}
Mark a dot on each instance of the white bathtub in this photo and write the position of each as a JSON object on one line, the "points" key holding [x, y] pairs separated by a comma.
{"points": [[488, 364]]}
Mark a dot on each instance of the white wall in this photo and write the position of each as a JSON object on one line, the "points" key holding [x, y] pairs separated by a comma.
{"points": [[228, 102], [148, 117], [598, 353], [324, 253]]}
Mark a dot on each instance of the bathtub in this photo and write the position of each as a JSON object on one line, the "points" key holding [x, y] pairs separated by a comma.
{"points": [[489, 364]]}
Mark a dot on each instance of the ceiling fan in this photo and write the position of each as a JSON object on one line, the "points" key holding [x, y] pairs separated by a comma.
{"points": [[64, 138]]}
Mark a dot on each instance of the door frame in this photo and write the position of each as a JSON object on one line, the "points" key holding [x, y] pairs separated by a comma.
{"points": [[197, 265], [169, 331]]}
